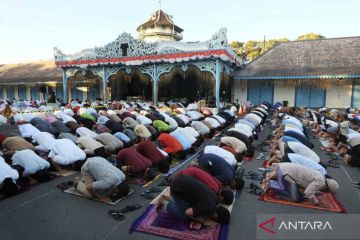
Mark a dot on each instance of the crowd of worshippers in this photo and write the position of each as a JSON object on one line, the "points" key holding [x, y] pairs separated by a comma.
{"points": [[296, 172], [144, 140], [202, 192]]}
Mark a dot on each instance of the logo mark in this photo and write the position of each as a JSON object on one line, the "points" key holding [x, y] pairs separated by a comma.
{"points": [[263, 226]]}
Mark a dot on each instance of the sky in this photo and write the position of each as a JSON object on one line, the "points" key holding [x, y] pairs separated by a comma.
{"points": [[30, 29]]}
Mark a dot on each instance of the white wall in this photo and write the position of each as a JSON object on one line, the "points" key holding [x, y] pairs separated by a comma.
{"points": [[4, 91], [16, 92], [28, 92], [240, 90], [338, 97], [284, 93]]}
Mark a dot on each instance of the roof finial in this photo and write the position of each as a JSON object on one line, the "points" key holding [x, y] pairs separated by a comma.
{"points": [[159, 4]]}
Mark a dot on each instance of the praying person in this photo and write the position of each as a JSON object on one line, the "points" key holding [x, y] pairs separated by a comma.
{"points": [[192, 200], [220, 169], [111, 143], [286, 178], [8, 178], [171, 145], [149, 150], [102, 180], [30, 165], [90, 146], [12, 144], [132, 162], [65, 154]]}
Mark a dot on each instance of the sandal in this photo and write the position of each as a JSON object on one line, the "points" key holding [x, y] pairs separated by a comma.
{"points": [[332, 164], [116, 214], [147, 195], [256, 192], [254, 177], [130, 208], [250, 173], [154, 190]]}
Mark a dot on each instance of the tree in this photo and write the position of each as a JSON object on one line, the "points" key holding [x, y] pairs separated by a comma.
{"points": [[236, 44], [310, 36]]}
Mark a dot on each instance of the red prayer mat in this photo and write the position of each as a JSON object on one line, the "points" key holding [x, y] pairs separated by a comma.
{"points": [[327, 201]]}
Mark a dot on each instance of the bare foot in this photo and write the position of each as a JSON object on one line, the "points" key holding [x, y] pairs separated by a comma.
{"points": [[195, 225], [160, 203], [347, 159]]}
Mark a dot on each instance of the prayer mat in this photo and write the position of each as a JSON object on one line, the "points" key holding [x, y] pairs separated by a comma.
{"points": [[166, 225], [326, 199], [142, 182], [65, 173], [76, 192]]}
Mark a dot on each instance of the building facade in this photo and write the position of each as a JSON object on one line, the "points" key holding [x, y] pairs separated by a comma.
{"points": [[311, 73], [128, 64]]}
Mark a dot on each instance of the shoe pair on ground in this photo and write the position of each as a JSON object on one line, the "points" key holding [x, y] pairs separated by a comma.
{"points": [[149, 194], [356, 184], [254, 189], [120, 214], [253, 176]]}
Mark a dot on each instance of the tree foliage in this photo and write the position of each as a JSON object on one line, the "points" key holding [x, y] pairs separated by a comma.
{"points": [[310, 36], [253, 49]]}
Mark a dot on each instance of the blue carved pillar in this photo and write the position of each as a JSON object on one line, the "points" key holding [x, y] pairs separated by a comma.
{"points": [[217, 83], [155, 80], [65, 87], [104, 79]]}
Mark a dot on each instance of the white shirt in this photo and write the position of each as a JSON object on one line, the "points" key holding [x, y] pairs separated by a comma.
{"points": [[172, 123], [44, 139], [143, 120], [65, 152], [29, 116], [354, 139], [27, 130], [213, 122], [220, 119], [66, 118], [183, 117], [192, 131], [294, 129], [194, 115], [226, 155], [192, 106], [244, 127], [7, 172], [69, 112], [187, 134], [18, 117], [304, 151], [294, 120], [30, 161], [83, 131]]}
